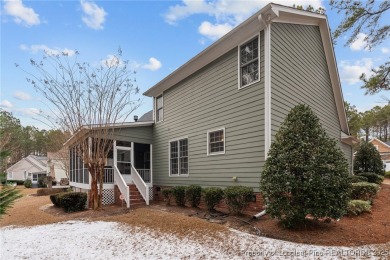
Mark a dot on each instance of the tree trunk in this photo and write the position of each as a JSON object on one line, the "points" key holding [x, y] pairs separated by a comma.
{"points": [[93, 199], [101, 173]]}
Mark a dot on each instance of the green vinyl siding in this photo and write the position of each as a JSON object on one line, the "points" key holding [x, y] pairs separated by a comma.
{"points": [[207, 100], [141, 134], [299, 75]]}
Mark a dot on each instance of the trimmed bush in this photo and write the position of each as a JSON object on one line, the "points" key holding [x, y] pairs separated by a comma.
{"points": [[42, 182], [387, 175], [3, 178], [48, 191], [212, 196], [305, 172], [72, 201], [54, 200], [237, 198], [167, 194], [372, 177], [357, 207], [27, 183], [364, 191], [357, 178], [193, 195], [368, 159], [179, 192]]}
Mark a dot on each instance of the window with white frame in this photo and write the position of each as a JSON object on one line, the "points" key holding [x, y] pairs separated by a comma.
{"points": [[159, 109], [249, 62], [178, 157], [216, 141]]}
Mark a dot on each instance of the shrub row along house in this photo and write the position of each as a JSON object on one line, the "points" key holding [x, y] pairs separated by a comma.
{"points": [[214, 118]]}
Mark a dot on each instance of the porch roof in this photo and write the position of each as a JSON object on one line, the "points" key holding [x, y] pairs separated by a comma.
{"points": [[86, 129]]}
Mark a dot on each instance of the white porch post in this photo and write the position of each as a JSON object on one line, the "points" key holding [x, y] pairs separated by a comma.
{"points": [[115, 153], [132, 154], [151, 165]]}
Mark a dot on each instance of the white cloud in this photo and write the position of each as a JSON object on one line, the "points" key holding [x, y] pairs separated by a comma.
{"points": [[385, 50], [359, 43], [28, 111], [350, 72], [94, 16], [22, 95], [214, 31], [112, 61], [225, 13], [49, 51], [154, 64], [6, 104], [22, 14]]}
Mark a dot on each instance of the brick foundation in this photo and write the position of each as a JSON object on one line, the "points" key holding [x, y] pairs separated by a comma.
{"points": [[253, 207]]}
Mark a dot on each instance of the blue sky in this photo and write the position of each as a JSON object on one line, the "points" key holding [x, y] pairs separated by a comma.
{"points": [[156, 36]]}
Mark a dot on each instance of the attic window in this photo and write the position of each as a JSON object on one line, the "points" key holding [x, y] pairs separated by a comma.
{"points": [[159, 109], [249, 62]]}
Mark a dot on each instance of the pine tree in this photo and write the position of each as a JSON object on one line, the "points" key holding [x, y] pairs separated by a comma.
{"points": [[368, 159], [305, 173]]}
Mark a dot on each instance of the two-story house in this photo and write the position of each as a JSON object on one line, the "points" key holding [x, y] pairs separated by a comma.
{"points": [[215, 117]]}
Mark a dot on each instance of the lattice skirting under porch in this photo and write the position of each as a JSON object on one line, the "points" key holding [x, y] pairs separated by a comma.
{"points": [[108, 197], [150, 193]]}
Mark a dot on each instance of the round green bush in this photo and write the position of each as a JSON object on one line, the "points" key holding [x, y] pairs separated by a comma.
{"points": [[71, 201], [212, 196], [387, 175], [357, 207], [305, 172], [357, 178], [372, 177], [193, 195], [28, 183], [364, 191], [167, 194], [179, 192], [237, 198], [368, 159]]}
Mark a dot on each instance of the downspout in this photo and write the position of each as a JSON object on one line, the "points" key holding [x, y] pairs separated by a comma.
{"points": [[260, 214]]}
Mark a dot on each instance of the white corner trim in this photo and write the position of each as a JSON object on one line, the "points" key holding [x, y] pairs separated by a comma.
{"points": [[267, 89]]}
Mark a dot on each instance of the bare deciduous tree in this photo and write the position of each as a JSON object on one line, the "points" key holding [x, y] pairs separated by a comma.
{"points": [[87, 100]]}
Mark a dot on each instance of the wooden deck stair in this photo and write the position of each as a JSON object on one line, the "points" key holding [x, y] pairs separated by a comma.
{"points": [[135, 196]]}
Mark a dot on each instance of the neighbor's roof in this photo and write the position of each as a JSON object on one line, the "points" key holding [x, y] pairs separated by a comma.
{"points": [[251, 26]]}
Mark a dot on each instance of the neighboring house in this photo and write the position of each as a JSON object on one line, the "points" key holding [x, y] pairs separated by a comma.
{"points": [[384, 151], [215, 117], [33, 167]]}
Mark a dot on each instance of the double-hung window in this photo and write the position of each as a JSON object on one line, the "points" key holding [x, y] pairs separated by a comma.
{"points": [[178, 157], [216, 141], [249, 62], [159, 109]]}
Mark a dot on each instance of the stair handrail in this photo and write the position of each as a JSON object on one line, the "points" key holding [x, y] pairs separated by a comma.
{"points": [[122, 185], [140, 184]]}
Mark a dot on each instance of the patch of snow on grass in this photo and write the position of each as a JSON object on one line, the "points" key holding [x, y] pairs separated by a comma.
{"points": [[111, 240]]}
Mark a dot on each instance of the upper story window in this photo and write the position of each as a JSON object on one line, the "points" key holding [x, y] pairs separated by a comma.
{"points": [[178, 157], [249, 62], [159, 109], [216, 142]]}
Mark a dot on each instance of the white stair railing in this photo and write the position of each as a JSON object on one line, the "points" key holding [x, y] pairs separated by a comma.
{"points": [[140, 184], [120, 182], [145, 174]]}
